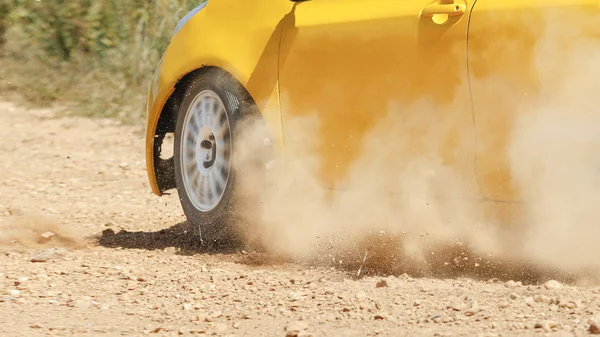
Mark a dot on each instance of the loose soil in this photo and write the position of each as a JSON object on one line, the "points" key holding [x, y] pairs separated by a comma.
{"points": [[86, 250]]}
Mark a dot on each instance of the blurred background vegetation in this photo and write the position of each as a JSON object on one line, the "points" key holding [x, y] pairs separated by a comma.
{"points": [[95, 57]]}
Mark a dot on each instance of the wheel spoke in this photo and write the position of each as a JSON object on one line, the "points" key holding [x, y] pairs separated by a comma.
{"points": [[213, 188], [217, 122], [197, 123], [205, 190], [196, 178], [190, 166], [223, 134], [219, 174]]}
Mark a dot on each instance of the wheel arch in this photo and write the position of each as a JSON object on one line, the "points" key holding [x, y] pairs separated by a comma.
{"points": [[161, 170]]}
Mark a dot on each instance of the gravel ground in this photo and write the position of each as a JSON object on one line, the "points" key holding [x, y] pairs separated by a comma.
{"points": [[86, 249]]}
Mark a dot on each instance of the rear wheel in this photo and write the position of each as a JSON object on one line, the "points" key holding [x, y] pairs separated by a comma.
{"points": [[205, 174]]}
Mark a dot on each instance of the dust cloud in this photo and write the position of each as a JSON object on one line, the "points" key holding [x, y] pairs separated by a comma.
{"points": [[392, 219], [555, 154], [23, 232]]}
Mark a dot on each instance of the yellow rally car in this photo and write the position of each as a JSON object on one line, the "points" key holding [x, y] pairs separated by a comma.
{"points": [[470, 62]]}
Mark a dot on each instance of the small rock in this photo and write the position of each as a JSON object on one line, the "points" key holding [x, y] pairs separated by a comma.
{"points": [[552, 284], [417, 303], [294, 295], [381, 284], [15, 293], [361, 295], [546, 325], [203, 317], [20, 281], [186, 306], [216, 314], [594, 328], [48, 254], [542, 299], [305, 334], [512, 284], [529, 301], [295, 328], [472, 309], [47, 235], [220, 327], [458, 306]]}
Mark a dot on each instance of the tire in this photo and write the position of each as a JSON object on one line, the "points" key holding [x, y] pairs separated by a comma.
{"points": [[205, 172]]}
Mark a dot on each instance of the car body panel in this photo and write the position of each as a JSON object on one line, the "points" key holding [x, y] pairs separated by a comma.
{"points": [[507, 75], [245, 44], [354, 65]]}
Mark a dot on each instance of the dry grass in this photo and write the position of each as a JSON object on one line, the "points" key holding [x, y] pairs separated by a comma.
{"points": [[96, 58]]}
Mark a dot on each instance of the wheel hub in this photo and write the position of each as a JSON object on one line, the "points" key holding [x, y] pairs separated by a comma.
{"points": [[206, 149]]}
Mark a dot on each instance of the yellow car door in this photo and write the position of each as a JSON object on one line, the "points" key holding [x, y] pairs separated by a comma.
{"points": [[518, 52], [398, 67]]}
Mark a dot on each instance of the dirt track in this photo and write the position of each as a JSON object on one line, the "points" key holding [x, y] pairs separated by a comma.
{"points": [[65, 180]]}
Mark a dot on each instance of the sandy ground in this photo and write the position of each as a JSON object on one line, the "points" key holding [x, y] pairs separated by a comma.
{"points": [[86, 249]]}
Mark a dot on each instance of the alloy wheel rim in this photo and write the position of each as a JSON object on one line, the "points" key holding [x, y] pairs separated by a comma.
{"points": [[206, 151]]}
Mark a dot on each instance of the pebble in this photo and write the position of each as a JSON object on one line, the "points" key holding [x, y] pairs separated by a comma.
{"points": [[381, 284], [546, 325], [512, 284], [47, 235], [294, 295], [553, 284], [594, 328], [543, 299], [295, 328], [48, 254], [220, 327], [529, 301]]}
